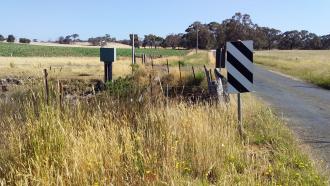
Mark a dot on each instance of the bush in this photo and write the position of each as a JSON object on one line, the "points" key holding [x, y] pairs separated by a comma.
{"points": [[11, 39], [2, 38], [182, 63], [197, 81], [121, 87], [65, 40], [95, 41], [24, 40]]}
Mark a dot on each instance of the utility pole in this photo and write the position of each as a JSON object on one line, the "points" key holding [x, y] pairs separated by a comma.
{"points": [[133, 50], [197, 41]]}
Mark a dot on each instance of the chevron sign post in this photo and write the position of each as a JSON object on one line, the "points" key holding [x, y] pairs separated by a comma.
{"points": [[240, 67]]}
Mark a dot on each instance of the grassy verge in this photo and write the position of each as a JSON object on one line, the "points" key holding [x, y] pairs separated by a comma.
{"points": [[115, 139], [23, 50], [311, 66]]}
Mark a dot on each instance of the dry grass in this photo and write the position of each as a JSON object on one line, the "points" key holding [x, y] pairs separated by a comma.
{"points": [[61, 67], [312, 66], [108, 140], [91, 67], [115, 139]]}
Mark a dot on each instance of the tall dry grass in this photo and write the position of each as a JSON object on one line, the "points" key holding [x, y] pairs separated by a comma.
{"points": [[125, 141], [312, 66]]}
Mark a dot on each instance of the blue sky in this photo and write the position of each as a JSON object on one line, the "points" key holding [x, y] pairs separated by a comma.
{"points": [[49, 19]]}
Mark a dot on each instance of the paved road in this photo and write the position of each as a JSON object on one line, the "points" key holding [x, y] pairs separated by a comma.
{"points": [[306, 106]]}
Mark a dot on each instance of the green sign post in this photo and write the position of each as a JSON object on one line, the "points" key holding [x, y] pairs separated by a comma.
{"points": [[108, 56]]}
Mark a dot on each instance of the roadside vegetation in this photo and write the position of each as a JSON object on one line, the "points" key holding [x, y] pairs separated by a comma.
{"points": [[20, 50], [113, 138], [122, 135], [311, 66]]}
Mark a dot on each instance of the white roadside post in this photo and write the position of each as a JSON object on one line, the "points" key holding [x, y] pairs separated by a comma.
{"points": [[240, 67]]}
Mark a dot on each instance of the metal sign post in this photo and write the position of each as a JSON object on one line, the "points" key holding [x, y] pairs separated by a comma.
{"points": [[108, 56], [239, 114], [240, 67]]}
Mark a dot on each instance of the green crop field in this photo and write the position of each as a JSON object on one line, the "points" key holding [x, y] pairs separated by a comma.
{"points": [[24, 50]]}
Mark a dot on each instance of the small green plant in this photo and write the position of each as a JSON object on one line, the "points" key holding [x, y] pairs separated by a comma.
{"points": [[182, 63], [121, 87], [12, 65], [195, 81]]}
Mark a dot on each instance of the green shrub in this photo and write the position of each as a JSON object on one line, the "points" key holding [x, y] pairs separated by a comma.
{"points": [[2, 38], [197, 81], [24, 40], [11, 39], [121, 87], [182, 63]]}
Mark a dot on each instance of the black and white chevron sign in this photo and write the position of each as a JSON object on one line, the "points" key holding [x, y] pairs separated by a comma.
{"points": [[239, 66]]}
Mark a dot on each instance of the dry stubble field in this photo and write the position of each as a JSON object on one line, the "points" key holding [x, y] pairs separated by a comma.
{"points": [[309, 65]]}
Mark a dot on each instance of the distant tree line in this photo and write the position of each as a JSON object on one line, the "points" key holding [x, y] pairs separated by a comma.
{"points": [[238, 27], [214, 35], [11, 39], [102, 40], [241, 27], [69, 39]]}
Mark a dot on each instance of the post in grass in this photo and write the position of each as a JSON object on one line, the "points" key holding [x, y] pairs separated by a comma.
{"points": [[46, 86], [60, 93], [150, 83], [193, 71], [180, 71], [168, 68], [133, 49]]}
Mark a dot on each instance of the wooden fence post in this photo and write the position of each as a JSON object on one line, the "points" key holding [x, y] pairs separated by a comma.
{"points": [[180, 71], [209, 82], [193, 70], [134, 58], [145, 58], [167, 96], [46, 86], [168, 68], [211, 77], [150, 82], [142, 58], [60, 91], [152, 63]]}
